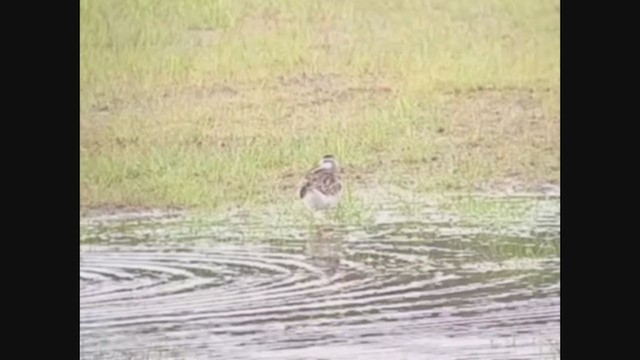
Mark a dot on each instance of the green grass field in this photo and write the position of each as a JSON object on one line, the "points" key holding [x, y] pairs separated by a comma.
{"points": [[203, 104]]}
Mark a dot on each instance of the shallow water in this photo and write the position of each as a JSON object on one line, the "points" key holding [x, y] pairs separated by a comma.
{"points": [[423, 283]]}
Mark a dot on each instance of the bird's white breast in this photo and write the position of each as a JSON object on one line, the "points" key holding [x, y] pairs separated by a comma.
{"points": [[317, 200]]}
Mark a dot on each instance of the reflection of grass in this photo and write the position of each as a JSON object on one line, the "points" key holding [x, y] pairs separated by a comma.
{"points": [[501, 217], [87, 235], [494, 248], [488, 210], [208, 103]]}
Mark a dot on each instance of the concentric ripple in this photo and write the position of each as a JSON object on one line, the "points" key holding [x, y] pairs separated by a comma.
{"points": [[436, 285]]}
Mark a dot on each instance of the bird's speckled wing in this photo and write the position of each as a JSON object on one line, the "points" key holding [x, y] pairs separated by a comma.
{"points": [[325, 181]]}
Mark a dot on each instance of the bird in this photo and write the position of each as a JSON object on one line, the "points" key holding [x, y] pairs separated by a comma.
{"points": [[322, 188]]}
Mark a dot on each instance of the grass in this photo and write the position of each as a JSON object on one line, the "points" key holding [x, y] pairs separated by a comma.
{"points": [[203, 104]]}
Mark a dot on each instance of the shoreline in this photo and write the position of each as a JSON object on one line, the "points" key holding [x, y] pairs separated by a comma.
{"points": [[497, 189]]}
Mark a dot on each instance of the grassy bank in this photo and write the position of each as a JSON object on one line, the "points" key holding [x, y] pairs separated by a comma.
{"points": [[211, 103]]}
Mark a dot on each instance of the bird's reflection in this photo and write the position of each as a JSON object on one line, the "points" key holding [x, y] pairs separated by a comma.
{"points": [[324, 249]]}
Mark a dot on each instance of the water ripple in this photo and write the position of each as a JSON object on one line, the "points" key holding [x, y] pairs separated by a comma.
{"points": [[436, 285]]}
